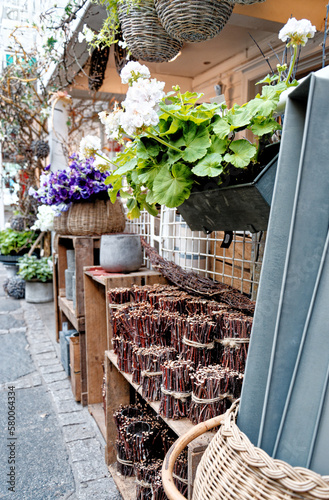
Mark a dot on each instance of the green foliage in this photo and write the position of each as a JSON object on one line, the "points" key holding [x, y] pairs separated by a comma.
{"points": [[192, 143], [12, 242], [32, 268]]}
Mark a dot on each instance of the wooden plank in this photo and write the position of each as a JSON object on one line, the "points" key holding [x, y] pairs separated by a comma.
{"points": [[84, 256], [75, 367], [55, 285], [83, 369], [97, 411], [96, 337], [117, 392], [66, 306], [62, 263], [126, 485]]}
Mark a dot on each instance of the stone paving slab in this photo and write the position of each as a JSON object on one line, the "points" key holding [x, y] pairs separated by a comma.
{"points": [[60, 452]]}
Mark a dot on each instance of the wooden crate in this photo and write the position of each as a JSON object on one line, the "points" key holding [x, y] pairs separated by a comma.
{"points": [[75, 367], [118, 391], [97, 283]]}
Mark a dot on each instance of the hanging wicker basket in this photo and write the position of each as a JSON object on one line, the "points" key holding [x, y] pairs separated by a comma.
{"points": [[60, 223], [95, 218], [192, 20], [246, 2], [144, 34], [232, 468]]}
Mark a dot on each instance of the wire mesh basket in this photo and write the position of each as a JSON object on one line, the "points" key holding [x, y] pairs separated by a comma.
{"points": [[246, 2], [233, 468], [144, 34], [192, 20]]}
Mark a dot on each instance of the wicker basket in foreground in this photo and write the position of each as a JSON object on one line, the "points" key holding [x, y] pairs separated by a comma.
{"points": [[232, 468]]}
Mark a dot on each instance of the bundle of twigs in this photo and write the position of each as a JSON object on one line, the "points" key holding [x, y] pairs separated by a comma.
{"points": [[195, 284], [124, 350], [231, 353], [198, 339], [147, 364], [210, 391], [176, 388], [119, 295], [149, 482]]}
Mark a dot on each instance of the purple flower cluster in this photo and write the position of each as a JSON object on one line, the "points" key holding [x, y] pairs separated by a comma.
{"points": [[79, 182]]}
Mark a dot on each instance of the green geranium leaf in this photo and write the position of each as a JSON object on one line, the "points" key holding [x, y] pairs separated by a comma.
{"points": [[151, 209], [169, 127], [133, 209], [129, 165], [222, 128], [147, 147], [242, 153], [239, 117], [173, 156], [172, 188], [209, 166], [261, 127], [147, 173], [197, 142], [218, 145], [268, 79]]}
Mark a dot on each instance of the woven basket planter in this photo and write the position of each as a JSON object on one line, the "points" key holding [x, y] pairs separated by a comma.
{"points": [[192, 20], [246, 2], [144, 34], [232, 468], [95, 218], [60, 223]]}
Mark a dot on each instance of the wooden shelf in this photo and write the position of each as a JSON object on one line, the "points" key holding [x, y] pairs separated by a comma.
{"points": [[118, 387], [97, 283], [126, 485], [66, 306], [97, 411]]}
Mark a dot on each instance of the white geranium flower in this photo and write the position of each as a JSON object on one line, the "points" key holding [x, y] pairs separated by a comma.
{"points": [[111, 121], [45, 218], [89, 145], [134, 70], [298, 32]]}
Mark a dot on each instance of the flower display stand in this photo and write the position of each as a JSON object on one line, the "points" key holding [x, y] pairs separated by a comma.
{"points": [[97, 283], [87, 254]]}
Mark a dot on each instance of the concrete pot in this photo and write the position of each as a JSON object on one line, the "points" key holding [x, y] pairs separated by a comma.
{"points": [[69, 284], [121, 253], [38, 292]]}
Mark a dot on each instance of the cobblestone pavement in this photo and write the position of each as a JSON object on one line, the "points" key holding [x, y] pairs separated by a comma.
{"points": [[55, 450]]}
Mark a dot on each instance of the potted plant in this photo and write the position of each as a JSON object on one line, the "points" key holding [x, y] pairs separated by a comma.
{"points": [[79, 196], [181, 147], [15, 243], [38, 275]]}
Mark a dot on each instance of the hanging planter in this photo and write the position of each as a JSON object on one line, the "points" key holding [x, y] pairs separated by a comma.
{"points": [[192, 20], [242, 207], [246, 2], [144, 34], [121, 54], [98, 64]]}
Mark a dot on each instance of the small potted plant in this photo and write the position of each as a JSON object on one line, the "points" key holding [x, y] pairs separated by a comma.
{"points": [[12, 245], [38, 275]]}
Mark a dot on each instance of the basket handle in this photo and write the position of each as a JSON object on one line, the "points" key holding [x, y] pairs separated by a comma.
{"points": [[178, 446]]}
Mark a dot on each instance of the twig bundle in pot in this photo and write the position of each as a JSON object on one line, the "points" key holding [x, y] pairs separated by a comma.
{"points": [[176, 388], [122, 417], [139, 439], [210, 386], [147, 364], [149, 482]]}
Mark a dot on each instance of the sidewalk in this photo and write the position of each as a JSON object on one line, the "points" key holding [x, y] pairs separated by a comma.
{"points": [[52, 448]]}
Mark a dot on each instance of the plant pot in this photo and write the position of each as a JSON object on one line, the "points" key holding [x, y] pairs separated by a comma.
{"points": [[192, 20], [121, 253], [38, 292], [244, 207], [9, 259], [144, 34]]}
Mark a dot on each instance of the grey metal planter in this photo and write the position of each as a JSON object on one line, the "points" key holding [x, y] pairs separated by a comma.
{"points": [[244, 207], [38, 292]]}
